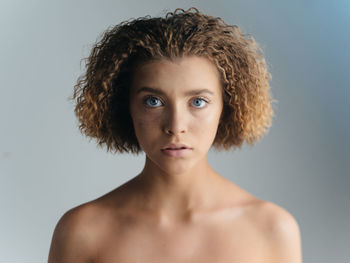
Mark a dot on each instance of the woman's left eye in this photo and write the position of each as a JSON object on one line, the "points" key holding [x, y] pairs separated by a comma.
{"points": [[199, 102]]}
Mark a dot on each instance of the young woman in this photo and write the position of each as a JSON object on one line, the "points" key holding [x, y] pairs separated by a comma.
{"points": [[173, 87]]}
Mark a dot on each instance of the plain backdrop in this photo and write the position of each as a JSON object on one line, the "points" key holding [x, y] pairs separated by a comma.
{"points": [[48, 167]]}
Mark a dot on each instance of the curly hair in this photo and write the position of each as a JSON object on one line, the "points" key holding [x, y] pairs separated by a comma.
{"points": [[102, 92]]}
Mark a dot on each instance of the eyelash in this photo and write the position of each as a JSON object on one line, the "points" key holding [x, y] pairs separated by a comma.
{"points": [[153, 97]]}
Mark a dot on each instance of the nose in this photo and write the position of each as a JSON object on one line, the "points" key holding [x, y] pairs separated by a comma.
{"points": [[174, 121]]}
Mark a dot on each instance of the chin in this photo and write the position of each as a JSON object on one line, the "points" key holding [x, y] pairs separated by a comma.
{"points": [[175, 166]]}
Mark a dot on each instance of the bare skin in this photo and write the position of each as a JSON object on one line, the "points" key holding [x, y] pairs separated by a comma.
{"points": [[178, 209]]}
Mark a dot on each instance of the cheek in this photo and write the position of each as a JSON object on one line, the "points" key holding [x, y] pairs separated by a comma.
{"points": [[205, 122], [145, 124]]}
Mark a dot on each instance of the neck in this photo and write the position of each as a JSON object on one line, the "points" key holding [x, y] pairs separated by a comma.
{"points": [[178, 193]]}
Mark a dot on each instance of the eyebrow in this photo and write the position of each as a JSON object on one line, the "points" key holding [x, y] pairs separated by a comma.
{"points": [[160, 92]]}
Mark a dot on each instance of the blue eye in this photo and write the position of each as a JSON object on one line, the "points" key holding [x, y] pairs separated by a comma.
{"points": [[152, 102], [199, 103]]}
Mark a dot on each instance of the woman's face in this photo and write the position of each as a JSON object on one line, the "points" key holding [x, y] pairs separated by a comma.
{"points": [[176, 107]]}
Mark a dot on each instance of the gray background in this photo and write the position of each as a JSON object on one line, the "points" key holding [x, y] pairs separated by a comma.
{"points": [[48, 167]]}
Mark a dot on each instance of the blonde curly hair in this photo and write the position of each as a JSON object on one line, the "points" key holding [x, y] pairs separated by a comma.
{"points": [[102, 92]]}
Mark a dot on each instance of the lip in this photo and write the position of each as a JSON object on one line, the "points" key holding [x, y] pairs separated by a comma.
{"points": [[176, 150], [173, 146]]}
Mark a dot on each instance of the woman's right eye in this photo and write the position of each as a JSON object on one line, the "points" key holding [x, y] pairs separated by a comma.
{"points": [[152, 102]]}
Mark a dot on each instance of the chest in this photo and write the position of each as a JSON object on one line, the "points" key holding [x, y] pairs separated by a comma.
{"points": [[219, 244]]}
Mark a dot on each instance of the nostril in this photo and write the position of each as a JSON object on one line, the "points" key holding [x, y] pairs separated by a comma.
{"points": [[168, 131]]}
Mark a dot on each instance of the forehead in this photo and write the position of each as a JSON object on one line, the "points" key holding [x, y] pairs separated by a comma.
{"points": [[180, 74]]}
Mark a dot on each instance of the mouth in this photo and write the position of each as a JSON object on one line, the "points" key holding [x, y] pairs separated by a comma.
{"points": [[179, 148], [175, 146], [176, 150]]}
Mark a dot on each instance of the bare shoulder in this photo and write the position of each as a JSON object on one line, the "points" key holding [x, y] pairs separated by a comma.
{"points": [[75, 238], [280, 231]]}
